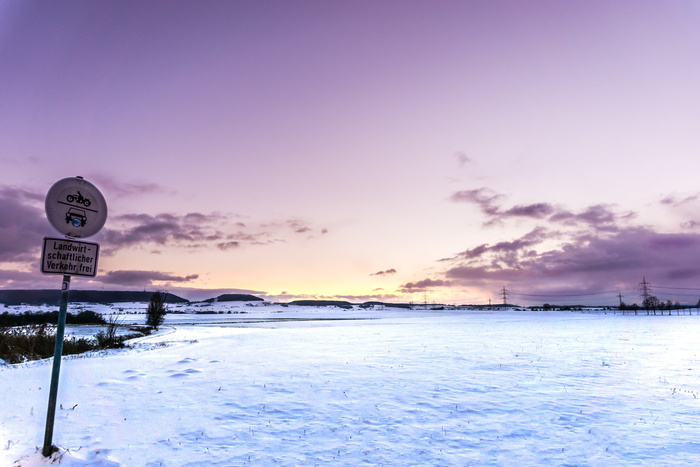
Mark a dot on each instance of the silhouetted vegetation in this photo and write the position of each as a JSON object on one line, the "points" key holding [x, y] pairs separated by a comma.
{"points": [[155, 313], [651, 303], [36, 342], [49, 317]]}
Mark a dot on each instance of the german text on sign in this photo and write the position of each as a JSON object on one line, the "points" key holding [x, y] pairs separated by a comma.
{"points": [[69, 257]]}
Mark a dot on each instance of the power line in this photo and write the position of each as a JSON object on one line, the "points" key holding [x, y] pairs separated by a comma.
{"points": [[573, 300], [645, 289], [610, 297], [504, 295], [562, 295]]}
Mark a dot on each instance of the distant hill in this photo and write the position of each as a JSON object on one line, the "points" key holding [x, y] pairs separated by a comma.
{"points": [[52, 297], [235, 297]]}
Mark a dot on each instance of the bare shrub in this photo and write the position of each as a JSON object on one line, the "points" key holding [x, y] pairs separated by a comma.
{"points": [[108, 338]]}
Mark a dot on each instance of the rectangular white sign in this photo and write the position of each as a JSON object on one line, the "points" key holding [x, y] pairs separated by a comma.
{"points": [[69, 257]]}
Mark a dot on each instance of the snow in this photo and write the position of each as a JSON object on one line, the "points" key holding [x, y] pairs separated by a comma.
{"points": [[301, 386]]}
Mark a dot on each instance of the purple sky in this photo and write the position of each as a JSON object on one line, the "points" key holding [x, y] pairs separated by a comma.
{"points": [[391, 150]]}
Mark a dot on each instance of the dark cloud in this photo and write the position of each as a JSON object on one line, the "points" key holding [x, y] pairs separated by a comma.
{"points": [[589, 263], [298, 226], [191, 230], [537, 211], [602, 217], [587, 251], [142, 278], [384, 273], [485, 198], [228, 245], [673, 200], [599, 216], [196, 231], [423, 285], [23, 224], [506, 249], [13, 279], [690, 224], [683, 273]]}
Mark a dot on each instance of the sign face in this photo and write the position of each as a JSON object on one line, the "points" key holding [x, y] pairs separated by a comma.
{"points": [[76, 208], [69, 257]]}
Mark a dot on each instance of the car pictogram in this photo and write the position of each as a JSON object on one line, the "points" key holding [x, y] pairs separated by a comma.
{"points": [[76, 217]]}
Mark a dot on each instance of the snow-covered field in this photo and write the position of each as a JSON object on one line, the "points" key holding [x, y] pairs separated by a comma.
{"points": [[295, 386]]}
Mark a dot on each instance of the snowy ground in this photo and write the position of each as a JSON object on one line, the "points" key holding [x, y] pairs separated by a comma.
{"points": [[423, 388]]}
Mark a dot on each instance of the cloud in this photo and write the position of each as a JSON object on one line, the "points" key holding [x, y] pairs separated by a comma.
{"points": [[227, 245], [113, 188], [675, 201], [588, 263], [384, 273], [142, 278], [602, 217], [690, 224], [597, 249], [599, 216], [279, 229], [13, 279], [192, 230], [423, 285], [505, 251], [462, 159], [485, 198], [23, 224], [196, 231], [537, 211], [299, 226]]}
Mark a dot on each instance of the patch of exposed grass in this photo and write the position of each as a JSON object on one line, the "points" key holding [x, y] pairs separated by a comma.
{"points": [[34, 342]]}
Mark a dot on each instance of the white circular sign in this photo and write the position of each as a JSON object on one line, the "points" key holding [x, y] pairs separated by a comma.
{"points": [[76, 208]]}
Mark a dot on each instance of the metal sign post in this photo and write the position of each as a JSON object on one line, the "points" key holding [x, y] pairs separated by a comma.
{"points": [[56, 369], [77, 209]]}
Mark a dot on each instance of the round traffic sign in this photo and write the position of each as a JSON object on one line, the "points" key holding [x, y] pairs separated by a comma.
{"points": [[76, 208]]}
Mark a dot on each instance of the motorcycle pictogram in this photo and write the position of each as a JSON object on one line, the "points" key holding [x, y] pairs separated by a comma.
{"points": [[79, 198]]}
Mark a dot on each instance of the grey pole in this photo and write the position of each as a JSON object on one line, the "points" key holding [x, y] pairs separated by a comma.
{"points": [[57, 353]]}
